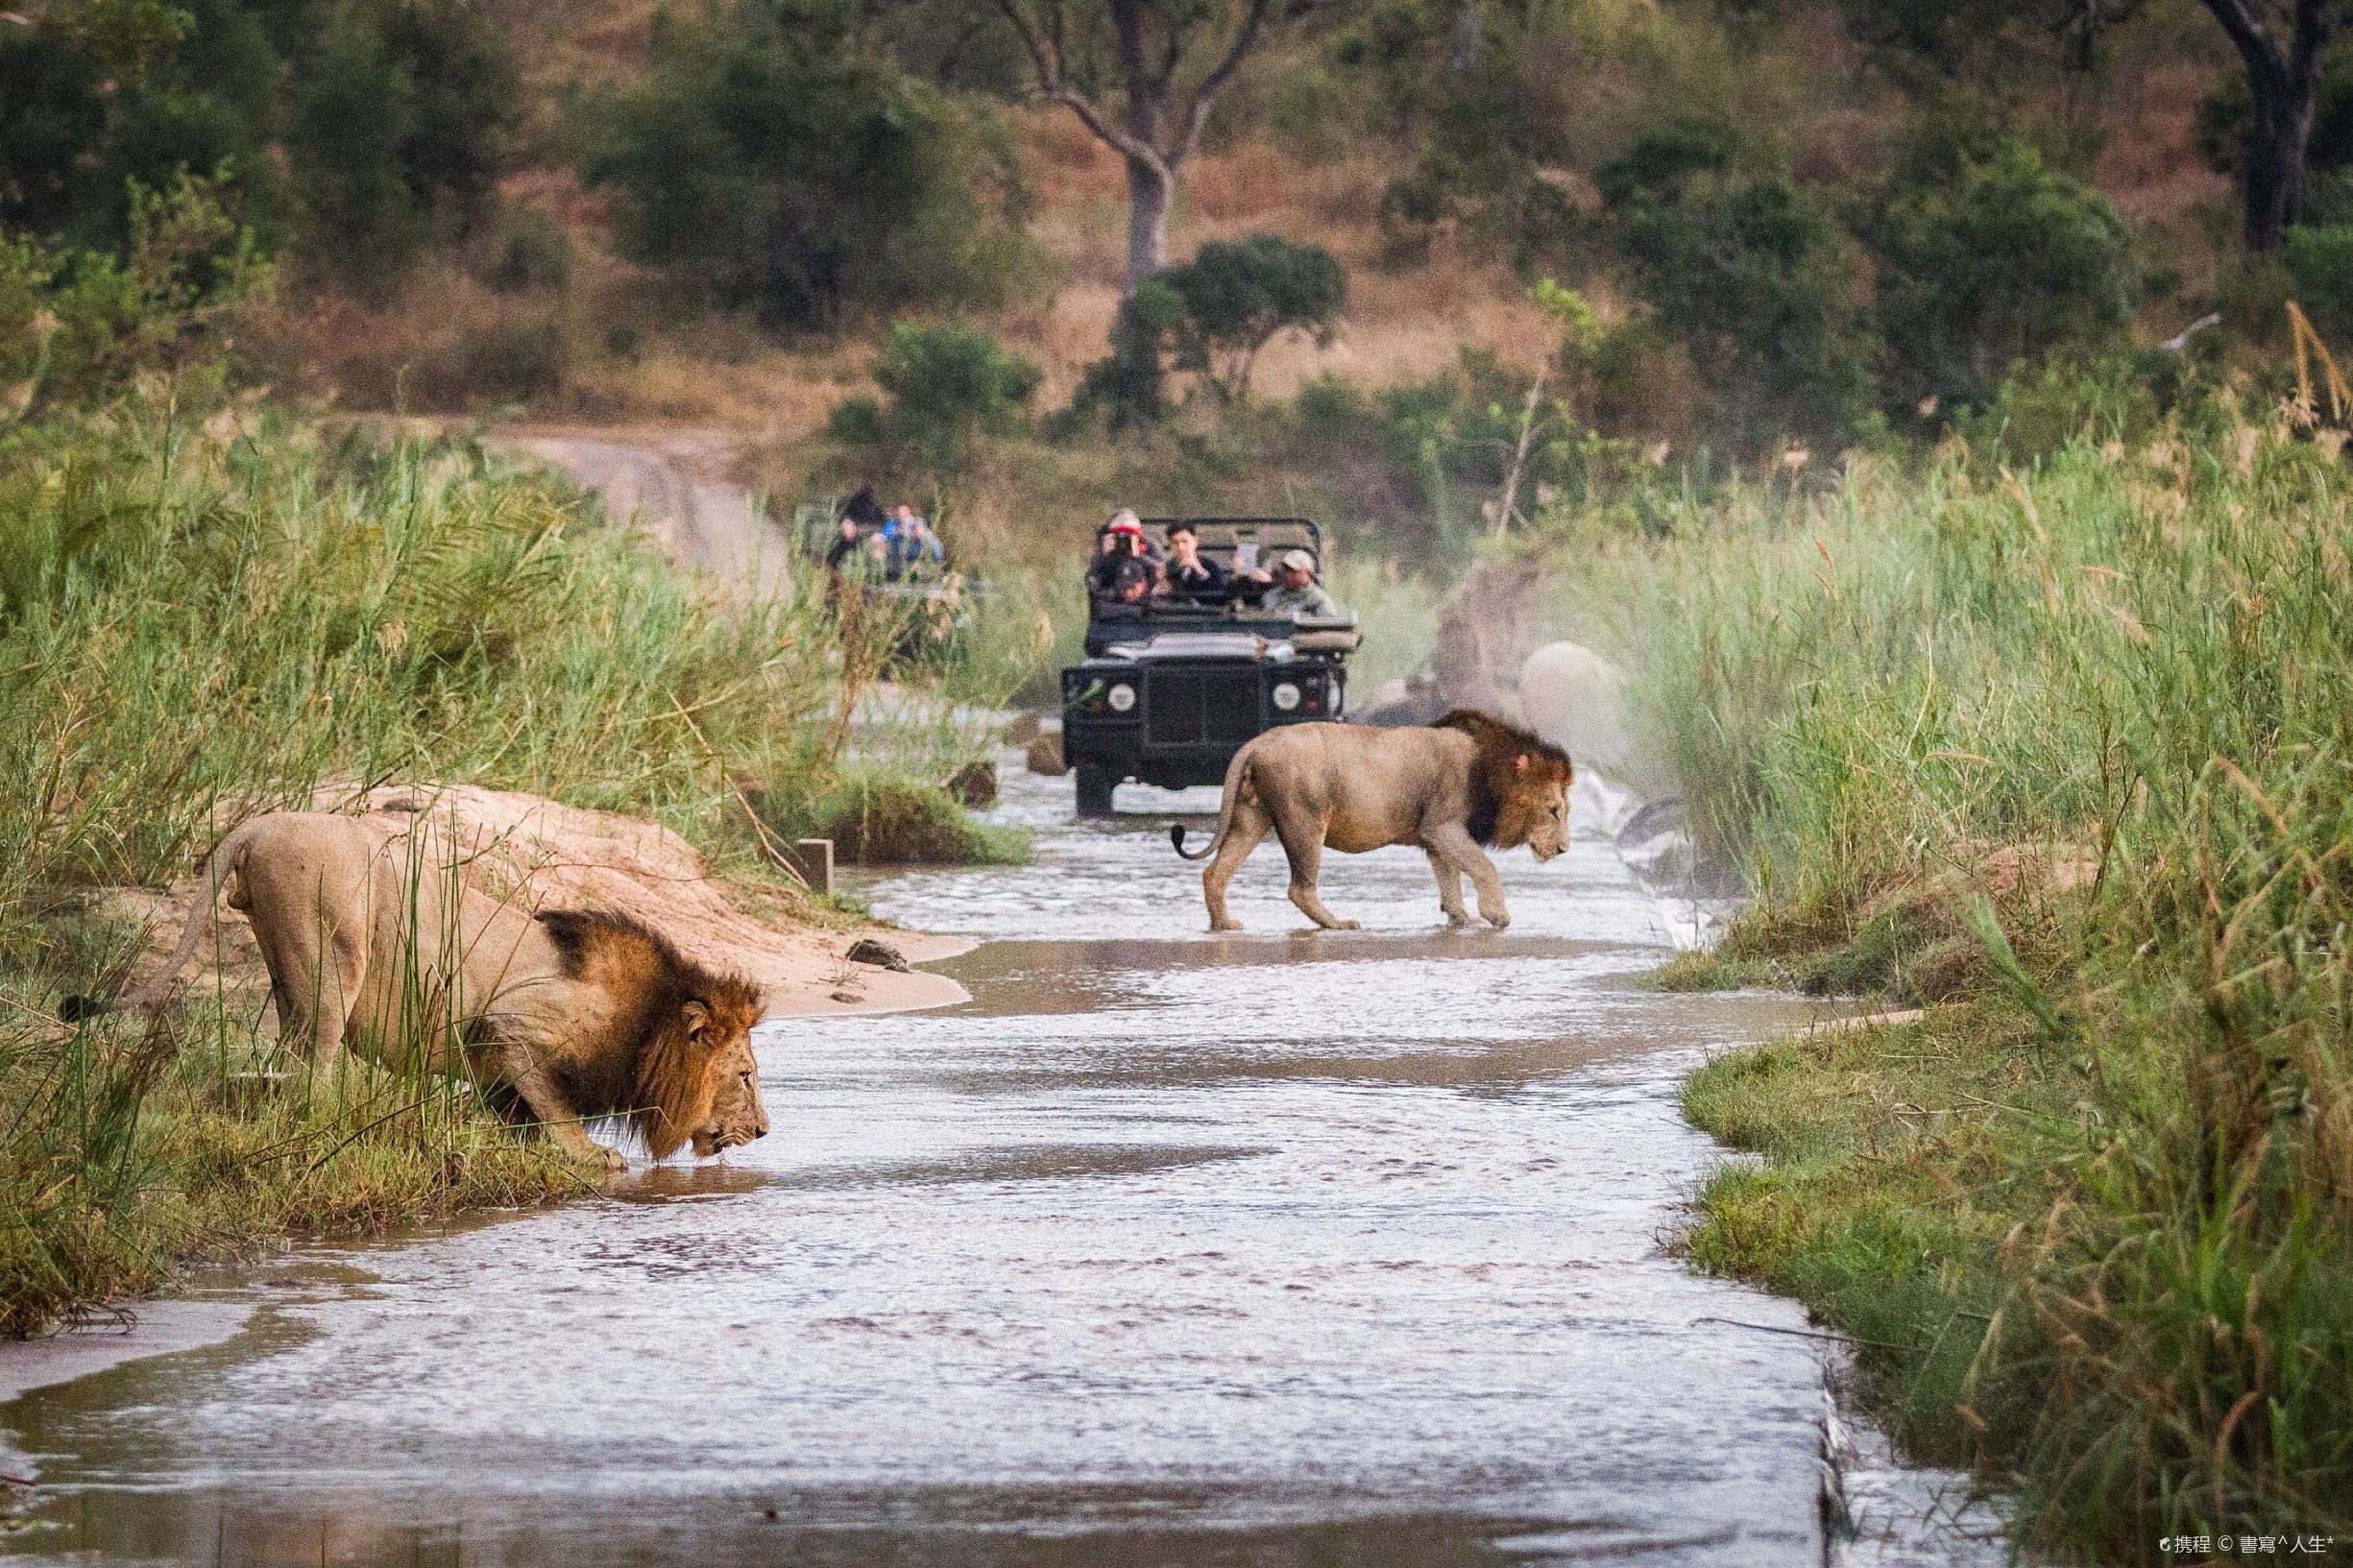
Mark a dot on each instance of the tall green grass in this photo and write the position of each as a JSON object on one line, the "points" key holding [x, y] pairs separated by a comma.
{"points": [[200, 620], [2087, 726]]}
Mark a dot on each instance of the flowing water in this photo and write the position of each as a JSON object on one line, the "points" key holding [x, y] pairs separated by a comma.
{"points": [[1272, 1248]]}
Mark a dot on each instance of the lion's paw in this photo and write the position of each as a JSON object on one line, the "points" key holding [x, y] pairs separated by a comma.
{"points": [[1499, 920]]}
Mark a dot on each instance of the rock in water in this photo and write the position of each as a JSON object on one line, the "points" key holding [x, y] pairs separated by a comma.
{"points": [[1046, 756], [974, 783]]}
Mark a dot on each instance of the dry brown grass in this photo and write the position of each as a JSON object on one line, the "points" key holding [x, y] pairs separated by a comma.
{"points": [[2150, 163]]}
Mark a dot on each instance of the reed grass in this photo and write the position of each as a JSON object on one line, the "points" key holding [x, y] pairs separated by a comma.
{"points": [[2066, 747]]}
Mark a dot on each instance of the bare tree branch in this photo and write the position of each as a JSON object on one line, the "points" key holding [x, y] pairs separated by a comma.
{"points": [[1046, 57], [1247, 38]]}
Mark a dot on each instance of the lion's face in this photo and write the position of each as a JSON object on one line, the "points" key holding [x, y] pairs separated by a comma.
{"points": [[1535, 810], [738, 1115]]}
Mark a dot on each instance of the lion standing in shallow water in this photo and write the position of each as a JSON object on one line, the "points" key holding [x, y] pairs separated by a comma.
{"points": [[374, 943], [1466, 780]]}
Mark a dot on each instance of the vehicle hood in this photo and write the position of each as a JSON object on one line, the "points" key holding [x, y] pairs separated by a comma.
{"points": [[1162, 645]]}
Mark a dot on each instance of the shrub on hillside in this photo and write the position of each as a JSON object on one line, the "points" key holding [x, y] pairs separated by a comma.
{"points": [[397, 124], [1753, 277], [1984, 262], [356, 129], [1211, 316], [75, 326], [947, 386], [2321, 276], [1239, 295], [794, 178]]}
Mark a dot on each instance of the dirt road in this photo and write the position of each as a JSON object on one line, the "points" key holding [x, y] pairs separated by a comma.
{"points": [[674, 483]]}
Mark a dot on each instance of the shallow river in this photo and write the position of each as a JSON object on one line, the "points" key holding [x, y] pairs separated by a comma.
{"points": [[1271, 1248]]}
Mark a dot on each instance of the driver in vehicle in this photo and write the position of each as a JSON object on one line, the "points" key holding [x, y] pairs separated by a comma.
{"points": [[1296, 592], [1191, 574]]}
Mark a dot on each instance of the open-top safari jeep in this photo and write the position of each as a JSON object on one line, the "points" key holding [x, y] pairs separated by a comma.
{"points": [[1170, 690]]}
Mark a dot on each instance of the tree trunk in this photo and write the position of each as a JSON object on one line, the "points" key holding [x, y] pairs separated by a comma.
{"points": [[2273, 158], [1151, 188]]}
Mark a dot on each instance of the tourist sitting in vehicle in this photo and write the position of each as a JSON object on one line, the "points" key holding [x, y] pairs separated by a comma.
{"points": [[1191, 574], [845, 548], [913, 547], [1122, 541], [1132, 586], [1295, 591]]}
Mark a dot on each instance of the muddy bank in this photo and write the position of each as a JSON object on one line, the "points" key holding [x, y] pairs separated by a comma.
{"points": [[675, 485]]}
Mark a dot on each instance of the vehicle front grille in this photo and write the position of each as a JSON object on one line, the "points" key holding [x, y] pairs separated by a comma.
{"points": [[1200, 707]]}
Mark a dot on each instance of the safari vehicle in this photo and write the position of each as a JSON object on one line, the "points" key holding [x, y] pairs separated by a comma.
{"points": [[1170, 691], [932, 608]]}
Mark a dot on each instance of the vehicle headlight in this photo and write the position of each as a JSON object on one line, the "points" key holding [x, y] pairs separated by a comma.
{"points": [[1286, 695], [1121, 697]]}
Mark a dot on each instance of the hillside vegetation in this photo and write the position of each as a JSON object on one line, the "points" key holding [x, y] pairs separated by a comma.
{"points": [[1838, 223]]}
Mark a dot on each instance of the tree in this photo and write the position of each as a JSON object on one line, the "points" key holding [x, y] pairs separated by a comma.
{"points": [[1238, 295], [797, 179], [1987, 260], [1153, 131], [1755, 277], [2281, 56]]}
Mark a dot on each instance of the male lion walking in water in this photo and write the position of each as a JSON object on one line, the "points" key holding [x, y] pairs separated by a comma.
{"points": [[1468, 779]]}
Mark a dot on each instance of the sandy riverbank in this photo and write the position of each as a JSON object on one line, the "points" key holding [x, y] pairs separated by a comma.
{"points": [[546, 854]]}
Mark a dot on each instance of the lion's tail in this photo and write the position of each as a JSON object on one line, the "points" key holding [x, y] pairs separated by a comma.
{"points": [[1237, 786], [226, 859]]}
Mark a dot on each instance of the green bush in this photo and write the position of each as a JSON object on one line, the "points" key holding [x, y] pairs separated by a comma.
{"points": [[1236, 297], [1754, 277], [75, 327], [2320, 273], [357, 129], [881, 817], [948, 386], [796, 175], [1128, 388], [1984, 262]]}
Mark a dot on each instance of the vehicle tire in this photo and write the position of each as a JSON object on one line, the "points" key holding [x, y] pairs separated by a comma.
{"points": [[1094, 786]]}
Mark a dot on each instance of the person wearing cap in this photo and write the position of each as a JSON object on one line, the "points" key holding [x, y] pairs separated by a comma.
{"points": [[1122, 542], [1295, 592]]}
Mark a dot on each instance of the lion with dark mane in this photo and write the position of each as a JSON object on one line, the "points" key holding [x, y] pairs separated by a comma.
{"points": [[375, 944], [1465, 782]]}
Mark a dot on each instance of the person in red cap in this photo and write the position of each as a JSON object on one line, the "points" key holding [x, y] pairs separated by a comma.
{"points": [[1122, 542]]}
